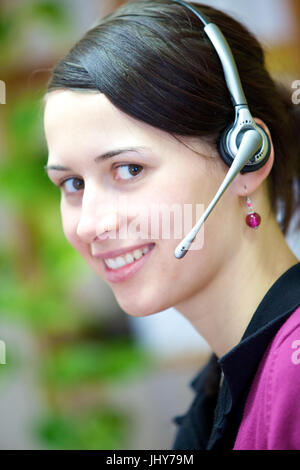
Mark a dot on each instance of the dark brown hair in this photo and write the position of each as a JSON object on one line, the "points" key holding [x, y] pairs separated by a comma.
{"points": [[153, 61]]}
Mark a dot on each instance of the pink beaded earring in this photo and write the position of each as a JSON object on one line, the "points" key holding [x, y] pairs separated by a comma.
{"points": [[253, 219]]}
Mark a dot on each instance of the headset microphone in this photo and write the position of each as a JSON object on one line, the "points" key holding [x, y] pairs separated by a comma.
{"points": [[250, 144], [244, 145]]}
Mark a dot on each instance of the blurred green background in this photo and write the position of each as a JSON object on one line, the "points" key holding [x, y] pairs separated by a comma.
{"points": [[79, 354]]}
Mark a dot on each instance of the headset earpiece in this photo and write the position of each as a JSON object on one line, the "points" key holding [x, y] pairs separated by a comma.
{"points": [[230, 141]]}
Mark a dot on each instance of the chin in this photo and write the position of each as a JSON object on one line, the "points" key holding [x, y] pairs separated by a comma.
{"points": [[142, 307]]}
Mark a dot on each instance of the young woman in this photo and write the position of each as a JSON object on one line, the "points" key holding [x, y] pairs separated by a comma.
{"points": [[133, 117]]}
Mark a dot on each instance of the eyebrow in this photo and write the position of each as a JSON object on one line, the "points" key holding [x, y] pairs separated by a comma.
{"points": [[103, 157]]}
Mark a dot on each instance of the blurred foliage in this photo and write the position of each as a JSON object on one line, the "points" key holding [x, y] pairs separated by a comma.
{"points": [[99, 429], [19, 19], [88, 362]]}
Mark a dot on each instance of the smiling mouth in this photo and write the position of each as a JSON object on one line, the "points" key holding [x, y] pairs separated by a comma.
{"points": [[129, 258], [128, 271]]}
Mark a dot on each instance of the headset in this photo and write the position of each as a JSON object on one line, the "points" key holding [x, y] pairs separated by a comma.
{"points": [[243, 145]]}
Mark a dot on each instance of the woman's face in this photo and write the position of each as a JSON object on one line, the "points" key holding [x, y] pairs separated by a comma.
{"points": [[101, 198]]}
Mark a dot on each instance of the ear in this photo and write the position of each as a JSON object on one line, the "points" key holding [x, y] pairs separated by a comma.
{"points": [[255, 178]]}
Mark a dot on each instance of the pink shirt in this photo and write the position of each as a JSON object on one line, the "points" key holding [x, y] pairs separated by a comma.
{"points": [[271, 419]]}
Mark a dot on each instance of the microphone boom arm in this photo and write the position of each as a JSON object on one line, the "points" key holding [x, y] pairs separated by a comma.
{"points": [[249, 146]]}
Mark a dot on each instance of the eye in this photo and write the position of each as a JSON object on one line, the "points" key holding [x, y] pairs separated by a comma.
{"points": [[124, 172], [128, 172], [72, 185]]}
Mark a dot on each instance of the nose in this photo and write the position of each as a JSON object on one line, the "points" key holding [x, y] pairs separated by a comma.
{"points": [[90, 229], [97, 220]]}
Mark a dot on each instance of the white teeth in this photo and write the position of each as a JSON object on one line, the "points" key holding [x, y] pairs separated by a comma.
{"points": [[129, 258], [138, 254], [120, 262], [111, 263]]}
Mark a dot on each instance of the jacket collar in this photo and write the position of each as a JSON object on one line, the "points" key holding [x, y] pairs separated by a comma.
{"points": [[241, 362]]}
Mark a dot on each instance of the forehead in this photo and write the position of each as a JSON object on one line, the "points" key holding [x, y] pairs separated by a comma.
{"points": [[64, 107], [88, 121]]}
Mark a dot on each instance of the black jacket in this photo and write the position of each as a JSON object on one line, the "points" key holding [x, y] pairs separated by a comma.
{"points": [[222, 386]]}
